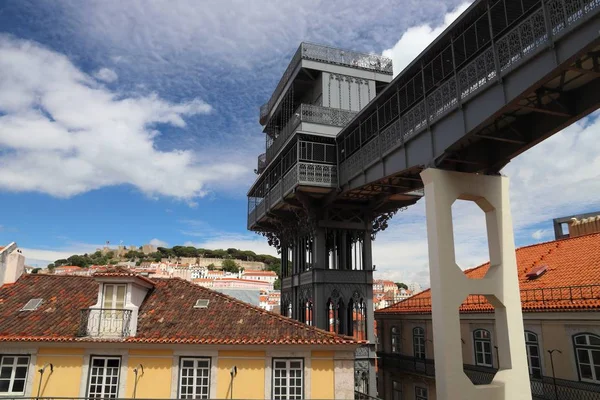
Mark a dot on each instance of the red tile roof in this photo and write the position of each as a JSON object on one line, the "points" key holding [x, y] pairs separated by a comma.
{"points": [[571, 281], [167, 315]]}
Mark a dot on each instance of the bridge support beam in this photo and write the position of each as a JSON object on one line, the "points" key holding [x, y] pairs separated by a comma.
{"points": [[450, 287]]}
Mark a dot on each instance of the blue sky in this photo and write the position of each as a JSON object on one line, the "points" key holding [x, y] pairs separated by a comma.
{"points": [[138, 121]]}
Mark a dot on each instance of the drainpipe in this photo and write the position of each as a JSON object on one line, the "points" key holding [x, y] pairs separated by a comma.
{"points": [[41, 371], [135, 371], [233, 374]]}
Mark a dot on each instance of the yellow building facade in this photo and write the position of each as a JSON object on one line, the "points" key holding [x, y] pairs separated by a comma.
{"points": [[117, 335], [59, 370]]}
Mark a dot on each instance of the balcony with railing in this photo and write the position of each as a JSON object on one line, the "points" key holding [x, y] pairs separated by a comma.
{"points": [[307, 113], [327, 55], [544, 388], [105, 322], [300, 174]]}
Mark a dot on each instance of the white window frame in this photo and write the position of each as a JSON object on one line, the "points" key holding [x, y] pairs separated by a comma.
{"points": [[115, 287], [480, 342], [421, 393], [13, 370], [91, 375], [287, 377], [196, 393], [590, 349], [419, 342], [396, 390], [396, 339], [531, 341]]}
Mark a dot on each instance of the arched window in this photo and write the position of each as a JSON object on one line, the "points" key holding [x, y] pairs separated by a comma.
{"points": [[396, 340], [483, 347], [419, 342], [308, 312], [587, 352], [533, 354]]}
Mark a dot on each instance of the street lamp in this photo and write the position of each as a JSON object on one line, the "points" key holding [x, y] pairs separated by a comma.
{"points": [[553, 375]]}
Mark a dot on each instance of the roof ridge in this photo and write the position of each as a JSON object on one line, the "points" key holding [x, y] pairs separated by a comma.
{"points": [[263, 311], [567, 239]]}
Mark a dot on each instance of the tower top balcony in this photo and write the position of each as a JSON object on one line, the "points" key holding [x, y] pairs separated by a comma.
{"points": [[325, 58]]}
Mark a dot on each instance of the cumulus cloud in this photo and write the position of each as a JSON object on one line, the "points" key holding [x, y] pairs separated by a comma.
{"points": [[106, 75], [416, 38], [159, 243], [63, 134]]}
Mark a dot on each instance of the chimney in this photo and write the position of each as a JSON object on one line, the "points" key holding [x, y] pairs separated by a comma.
{"points": [[12, 264]]}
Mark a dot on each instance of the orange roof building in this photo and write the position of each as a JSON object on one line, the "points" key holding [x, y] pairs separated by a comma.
{"points": [[560, 296], [83, 330]]}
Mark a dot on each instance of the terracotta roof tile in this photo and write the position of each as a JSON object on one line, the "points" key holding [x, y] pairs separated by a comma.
{"points": [[571, 281], [167, 315]]}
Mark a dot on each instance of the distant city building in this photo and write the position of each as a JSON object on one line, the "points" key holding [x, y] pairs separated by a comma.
{"points": [[560, 299]]}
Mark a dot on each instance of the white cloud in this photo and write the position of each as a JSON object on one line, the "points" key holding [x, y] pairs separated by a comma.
{"points": [[63, 134], [106, 75], [416, 38], [159, 243], [42, 257], [541, 234]]}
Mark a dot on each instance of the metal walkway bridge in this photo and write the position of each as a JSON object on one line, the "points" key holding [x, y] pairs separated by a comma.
{"points": [[506, 75], [503, 77]]}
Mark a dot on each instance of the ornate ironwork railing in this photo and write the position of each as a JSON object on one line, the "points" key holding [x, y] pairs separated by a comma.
{"points": [[412, 114], [325, 115], [363, 396], [302, 173], [568, 294], [329, 55], [541, 388], [308, 113], [317, 174], [105, 322]]}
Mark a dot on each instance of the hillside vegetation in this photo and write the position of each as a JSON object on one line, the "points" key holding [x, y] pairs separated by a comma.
{"points": [[173, 253]]}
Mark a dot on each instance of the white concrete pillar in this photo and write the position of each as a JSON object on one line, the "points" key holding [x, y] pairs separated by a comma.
{"points": [[450, 287]]}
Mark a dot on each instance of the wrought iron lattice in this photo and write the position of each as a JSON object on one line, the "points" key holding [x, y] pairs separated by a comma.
{"points": [[325, 115], [317, 174], [512, 47]]}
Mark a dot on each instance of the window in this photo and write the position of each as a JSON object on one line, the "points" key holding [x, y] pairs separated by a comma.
{"points": [[114, 296], [194, 379], [288, 379], [419, 342], [483, 347], [420, 393], [396, 390], [533, 354], [587, 351], [104, 377], [396, 340], [13, 374]]}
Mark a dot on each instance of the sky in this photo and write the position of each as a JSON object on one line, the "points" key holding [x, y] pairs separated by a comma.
{"points": [[137, 122]]}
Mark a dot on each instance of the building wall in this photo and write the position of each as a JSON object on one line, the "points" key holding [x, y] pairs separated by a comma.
{"points": [[346, 92], [327, 374], [66, 375], [554, 331], [155, 380]]}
